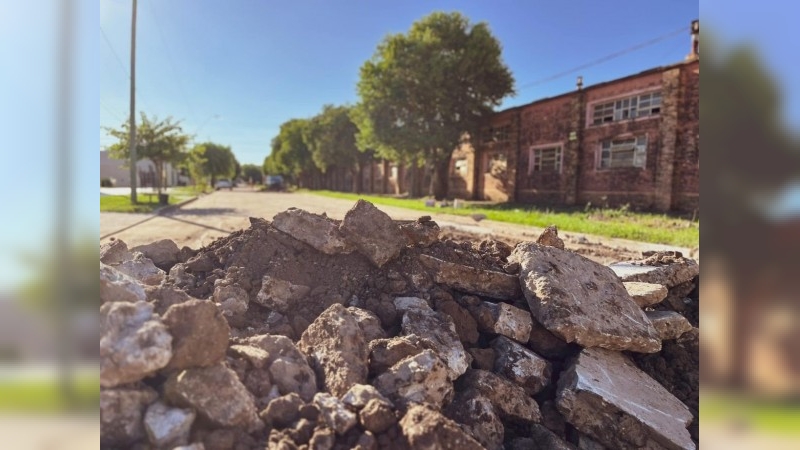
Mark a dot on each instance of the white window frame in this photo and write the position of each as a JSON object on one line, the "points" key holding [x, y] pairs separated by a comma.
{"points": [[635, 146], [626, 108], [535, 157]]}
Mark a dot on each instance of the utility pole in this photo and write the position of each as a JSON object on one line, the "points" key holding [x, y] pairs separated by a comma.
{"points": [[132, 128]]}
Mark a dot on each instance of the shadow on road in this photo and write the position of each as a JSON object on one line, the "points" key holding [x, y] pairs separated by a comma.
{"points": [[200, 212]]}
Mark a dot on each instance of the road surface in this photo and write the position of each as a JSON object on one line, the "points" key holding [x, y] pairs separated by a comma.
{"points": [[211, 216]]}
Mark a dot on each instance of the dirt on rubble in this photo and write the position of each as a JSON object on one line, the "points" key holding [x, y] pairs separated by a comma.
{"points": [[275, 376]]}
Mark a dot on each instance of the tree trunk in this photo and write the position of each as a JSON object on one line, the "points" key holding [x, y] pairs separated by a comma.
{"points": [[440, 178], [159, 174]]}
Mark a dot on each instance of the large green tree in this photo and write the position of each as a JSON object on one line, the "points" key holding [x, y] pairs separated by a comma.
{"points": [[290, 156], [159, 141], [218, 161], [423, 90], [252, 172], [331, 138]]}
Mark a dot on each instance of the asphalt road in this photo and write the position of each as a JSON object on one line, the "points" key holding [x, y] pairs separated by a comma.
{"points": [[198, 223]]}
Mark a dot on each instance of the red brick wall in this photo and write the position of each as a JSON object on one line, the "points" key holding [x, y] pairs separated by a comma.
{"points": [[686, 184]]}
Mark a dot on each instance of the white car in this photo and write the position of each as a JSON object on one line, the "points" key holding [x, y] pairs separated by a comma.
{"points": [[223, 184]]}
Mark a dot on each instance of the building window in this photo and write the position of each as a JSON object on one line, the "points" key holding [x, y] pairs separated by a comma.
{"points": [[627, 108], [499, 134], [629, 152], [547, 159], [460, 167]]}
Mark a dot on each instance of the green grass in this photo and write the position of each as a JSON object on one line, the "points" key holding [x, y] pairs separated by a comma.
{"points": [[43, 396], [617, 223], [765, 415], [147, 203]]}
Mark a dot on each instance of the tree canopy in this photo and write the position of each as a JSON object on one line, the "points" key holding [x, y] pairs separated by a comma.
{"points": [[290, 155], [252, 172], [159, 141], [218, 161], [423, 90]]}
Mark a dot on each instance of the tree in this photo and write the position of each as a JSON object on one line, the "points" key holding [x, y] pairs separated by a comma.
{"points": [[422, 91], [252, 172], [290, 155], [331, 138], [159, 141], [218, 160]]}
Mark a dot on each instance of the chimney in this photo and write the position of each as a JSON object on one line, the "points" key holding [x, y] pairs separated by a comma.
{"points": [[579, 83], [695, 54]]}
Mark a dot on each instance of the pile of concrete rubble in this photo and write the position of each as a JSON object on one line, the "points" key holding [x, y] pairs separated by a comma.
{"points": [[313, 333]]}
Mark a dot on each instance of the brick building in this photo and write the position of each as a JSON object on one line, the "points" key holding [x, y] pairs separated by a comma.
{"points": [[633, 140]]}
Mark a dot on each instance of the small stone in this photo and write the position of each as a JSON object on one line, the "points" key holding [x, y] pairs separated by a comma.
{"points": [[669, 324], [134, 343], [291, 375], [466, 327], [504, 319], [256, 356], [606, 397], [547, 344], [114, 252], [366, 441], [486, 283], [192, 446], [315, 230], [163, 253], [232, 300], [115, 286], [422, 378], [164, 296], [199, 334], [437, 332], [521, 365], [282, 411], [427, 429], [121, 412], [369, 322], [334, 412], [544, 439], [549, 237], [217, 395], [168, 426], [508, 399], [142, 269], [323, 439], [337, 349], [665, 268], [476, 414], [279, 295], [403, 304], [373, 232], [360, 394], [384, 353], [582, 301], [645, 294], [422, 233], [377, 415], [181, 277]]}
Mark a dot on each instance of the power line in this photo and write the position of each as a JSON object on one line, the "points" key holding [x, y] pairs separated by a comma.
{"points": [[605, 58], [110, 111], [121, 65]]}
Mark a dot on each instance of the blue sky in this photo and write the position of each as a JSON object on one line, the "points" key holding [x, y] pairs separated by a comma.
{"points": [[234, 71]]}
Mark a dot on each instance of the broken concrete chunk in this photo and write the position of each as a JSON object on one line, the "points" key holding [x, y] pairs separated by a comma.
{"points": [[502, 318], [121, 412], [437, 332], [168, 426], [291, 375], [384, 353], [403, 304], [134, 343], [466, 327], [360, 394], [181, 277], [334, 412], [217, 395], [116, 286], [521, 365], [486, 283], [666, 268], [547, 344], [421, 378], [199, 334], [114, 252], [257, 357], [164, 296], [373, 232], [508, 399], [645, 294], [278, 295], [142, 269], [549, 237], [478, 417], [276, 346], [337, 349], [315, 230], [544, 439], [669, 324], [369, 322], [427, 429], [232, 300], [606, 397], [582, 301], [422, 233], [281, 412], [163, 253], [377, 415]]}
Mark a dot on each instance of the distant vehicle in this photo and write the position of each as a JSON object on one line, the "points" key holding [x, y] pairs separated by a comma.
{"points": [[275, 183], [224, 184]]}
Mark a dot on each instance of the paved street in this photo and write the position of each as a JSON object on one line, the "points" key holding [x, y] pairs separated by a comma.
{"points": [[198, 223]]}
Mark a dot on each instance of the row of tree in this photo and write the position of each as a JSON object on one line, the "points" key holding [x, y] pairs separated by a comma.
{"points": [[421, 94], [164, 141]]}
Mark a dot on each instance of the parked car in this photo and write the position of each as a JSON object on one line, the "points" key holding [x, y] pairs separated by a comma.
{"points": [[275, 183], [224, 184]]}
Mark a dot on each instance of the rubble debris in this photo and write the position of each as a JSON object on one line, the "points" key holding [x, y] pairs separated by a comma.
{"points": [[371, 333], [645, 294], [669, 324], [582, 301], [134, 343], [316, 230], [497, 285], [606, 397], [163, 253], [666, 268], [549, 237]]}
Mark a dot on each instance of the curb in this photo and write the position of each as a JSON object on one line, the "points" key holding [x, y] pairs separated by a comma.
{"points": [[169, 208]]}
